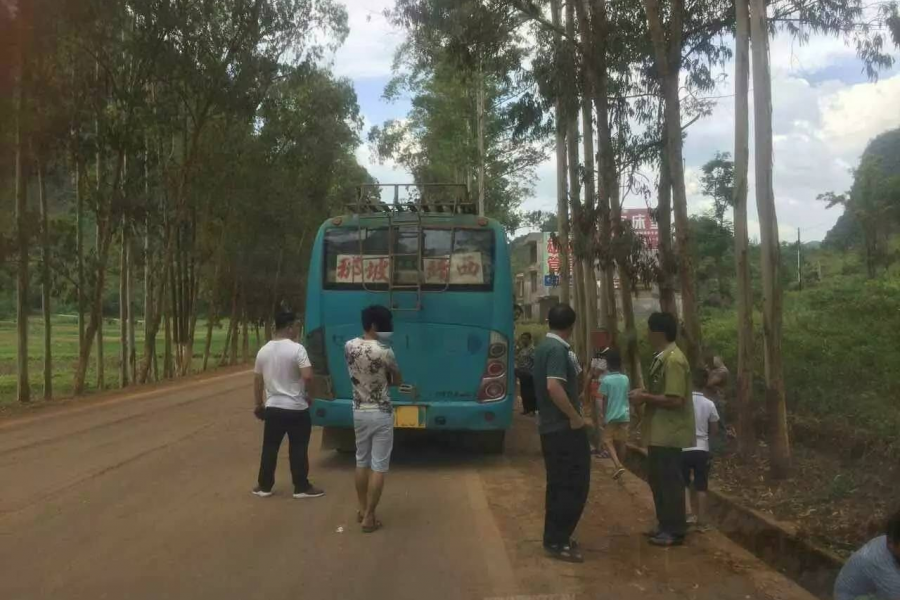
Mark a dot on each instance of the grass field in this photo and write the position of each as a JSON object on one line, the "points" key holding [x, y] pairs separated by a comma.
{"points": [[64, 351]]}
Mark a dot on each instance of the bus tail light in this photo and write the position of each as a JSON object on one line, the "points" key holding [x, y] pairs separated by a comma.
{"points": [[493, 383], [322, 386]]}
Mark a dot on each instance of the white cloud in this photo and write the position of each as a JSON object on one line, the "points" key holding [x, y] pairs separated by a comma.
{"points": [[822, 120], [369, 49]]}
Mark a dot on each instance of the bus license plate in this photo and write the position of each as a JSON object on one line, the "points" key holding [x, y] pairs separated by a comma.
{"points": [[408, 417]]}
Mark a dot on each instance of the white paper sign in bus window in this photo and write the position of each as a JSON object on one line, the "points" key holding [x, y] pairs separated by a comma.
{"points": [[465, 268], [353, 268], [437, 270]]}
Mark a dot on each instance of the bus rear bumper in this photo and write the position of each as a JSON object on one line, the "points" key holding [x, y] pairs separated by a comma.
{"points": [[439, 416]]}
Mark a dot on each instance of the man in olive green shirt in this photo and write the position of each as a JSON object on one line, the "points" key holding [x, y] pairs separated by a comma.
{"points": [[667, 428]]}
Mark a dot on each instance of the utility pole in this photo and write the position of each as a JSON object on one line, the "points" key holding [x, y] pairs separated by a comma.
{"points": [[799, 262]]}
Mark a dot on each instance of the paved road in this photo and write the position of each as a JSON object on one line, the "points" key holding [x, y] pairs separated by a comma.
{"points": [[147, 496]]}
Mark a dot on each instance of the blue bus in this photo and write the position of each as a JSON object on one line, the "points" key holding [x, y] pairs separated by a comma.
{"points": [[445, 274]]}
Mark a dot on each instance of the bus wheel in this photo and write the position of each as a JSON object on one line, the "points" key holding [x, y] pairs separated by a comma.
{"points": [[491, 442], [339, 439]]}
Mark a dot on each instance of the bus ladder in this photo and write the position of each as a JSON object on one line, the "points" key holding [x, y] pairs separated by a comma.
{"points": [[459, 205]]}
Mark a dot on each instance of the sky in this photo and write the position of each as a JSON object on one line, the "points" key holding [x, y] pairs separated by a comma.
{"points": [[825, 111]]}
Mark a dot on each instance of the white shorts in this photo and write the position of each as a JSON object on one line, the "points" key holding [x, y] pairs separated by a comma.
{"points": [[374, 439]]}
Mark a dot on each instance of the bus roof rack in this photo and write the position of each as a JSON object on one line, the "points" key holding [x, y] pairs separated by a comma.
{"points": [[427, 198]]}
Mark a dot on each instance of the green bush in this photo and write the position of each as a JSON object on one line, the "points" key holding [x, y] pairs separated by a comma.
{"points": [[841, 356]]}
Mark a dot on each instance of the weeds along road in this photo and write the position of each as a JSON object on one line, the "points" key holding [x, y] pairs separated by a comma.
{"points": [[147, 496]]}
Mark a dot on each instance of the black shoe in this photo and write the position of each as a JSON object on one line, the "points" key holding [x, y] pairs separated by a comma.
{"points": [[310, 492], [667, 540], [564, 552]]}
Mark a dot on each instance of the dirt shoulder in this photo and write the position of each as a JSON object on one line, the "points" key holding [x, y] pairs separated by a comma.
{"points": [[620, 563]]}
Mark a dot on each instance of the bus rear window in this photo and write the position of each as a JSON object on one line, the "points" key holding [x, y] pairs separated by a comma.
{"points": [[454, 259]]}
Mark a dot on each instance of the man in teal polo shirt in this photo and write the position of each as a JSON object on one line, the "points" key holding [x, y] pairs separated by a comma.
{"points": [[667, 428], [564, 439]]}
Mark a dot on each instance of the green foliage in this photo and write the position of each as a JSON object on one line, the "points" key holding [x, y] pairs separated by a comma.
{"points": [[718, 184], [872, 206], [453, 51], [541, 220], [713, 249], [841, 357]]}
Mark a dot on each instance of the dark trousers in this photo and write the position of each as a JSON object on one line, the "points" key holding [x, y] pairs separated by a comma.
{"points": [[298, 427], [567, 457], [526, 386], [664, 473]]}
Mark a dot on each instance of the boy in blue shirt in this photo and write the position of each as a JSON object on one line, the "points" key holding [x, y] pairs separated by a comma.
{"points": [[614, 388]]}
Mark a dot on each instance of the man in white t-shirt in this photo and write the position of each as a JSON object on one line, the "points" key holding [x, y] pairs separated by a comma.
{"points": [[696, 460], [373, 369], [283, 372]]}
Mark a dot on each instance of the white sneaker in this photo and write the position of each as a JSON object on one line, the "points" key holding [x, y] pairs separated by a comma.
{"points": [[258, 491]]}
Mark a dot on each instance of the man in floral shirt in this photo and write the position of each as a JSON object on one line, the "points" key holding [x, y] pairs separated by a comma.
{"points": [[373, 369]]}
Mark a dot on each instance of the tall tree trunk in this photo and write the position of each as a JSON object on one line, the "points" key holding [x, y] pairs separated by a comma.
{"points": [[744, 377], [213, 314], [79, 251], [23, 386], [481, 156], [590, 299], [245, 335], [192, 325], [98, 304], [232, 320], [667, 52], [95, 324], [667, 264], [167, 316], [631, 353], [123, 308], [140, 375], [167, 348], [779, 443], [129, 303], [594, 11], [45, 280], [590, 208], [209, 332], [562, 204], [271, 315], [175, 290]]}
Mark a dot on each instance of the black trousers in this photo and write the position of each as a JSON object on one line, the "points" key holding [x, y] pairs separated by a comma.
{"points": [[526, 385], [664, 473], [298, 427], [567, 457]]}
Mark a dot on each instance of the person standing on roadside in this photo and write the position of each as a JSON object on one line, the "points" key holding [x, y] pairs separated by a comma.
{"points": [[524, 368], [616, 414], [282, 374], [696, 461], [564, 438], [373, 370], [667, 428], [717, 379]]}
